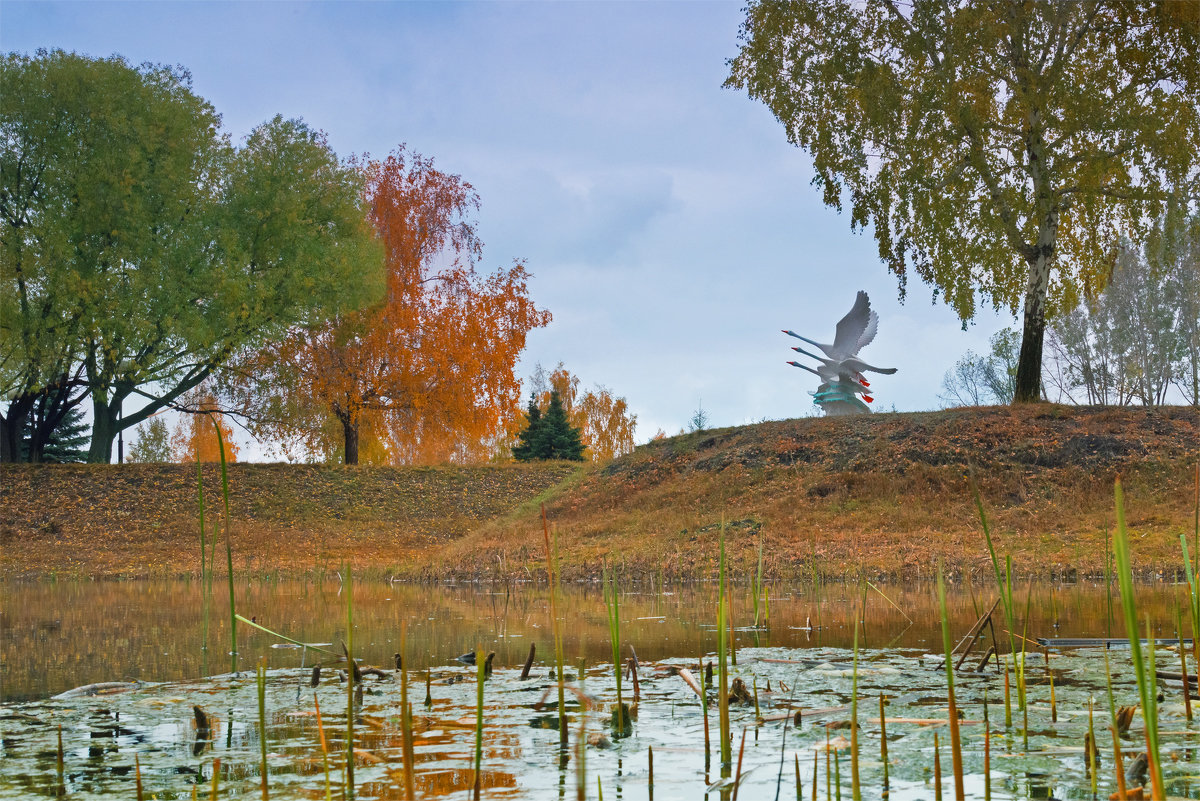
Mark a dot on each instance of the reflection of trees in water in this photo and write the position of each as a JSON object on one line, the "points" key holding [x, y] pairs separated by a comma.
{"points": [[59, 636]]}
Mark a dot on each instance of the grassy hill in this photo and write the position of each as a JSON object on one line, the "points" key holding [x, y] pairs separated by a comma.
{"points": [[888, 493]]}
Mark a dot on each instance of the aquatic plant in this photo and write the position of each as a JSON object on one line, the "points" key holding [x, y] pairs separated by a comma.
{"points": [[955, 742], [1145, 680]]}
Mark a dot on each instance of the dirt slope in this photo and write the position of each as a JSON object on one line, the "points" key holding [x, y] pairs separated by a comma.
{"points": [[888, 493]]}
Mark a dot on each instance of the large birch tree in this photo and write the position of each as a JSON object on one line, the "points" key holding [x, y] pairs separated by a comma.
{"points": [[997, 149]]}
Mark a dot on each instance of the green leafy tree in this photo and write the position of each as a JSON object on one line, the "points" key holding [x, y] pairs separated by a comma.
{"points": [[1138, 338], [153, 443], [977, 380], [139, 242], [549, 435], [998, 149]]}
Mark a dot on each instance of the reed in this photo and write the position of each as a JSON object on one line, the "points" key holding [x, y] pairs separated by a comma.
{"points": [[1114, 727], [1004, 584], [205, 570], [59, 767], [1090, 746], [1183, 668], [883, 756], [324, 749], [216, 769], [704, 712], [955, 742], [722, 657], [233, 652], [855, 790], [261, 681], [758, 581], [612, 602], [480, 678], [555, 593], [987, 751], [406, 731], [137, 776], [348, 588], [1193, 581], [937, 768], [1147, 688]]}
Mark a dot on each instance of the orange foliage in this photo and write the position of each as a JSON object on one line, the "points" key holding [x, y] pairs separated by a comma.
{"points": [[605, 424], [426, 376], [195, 433]]}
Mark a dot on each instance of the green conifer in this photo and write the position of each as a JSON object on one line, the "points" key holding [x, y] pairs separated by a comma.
{"points": [[524, 450]]}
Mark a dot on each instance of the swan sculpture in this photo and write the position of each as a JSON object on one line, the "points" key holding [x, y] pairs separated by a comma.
{"points": [[840, 370]]}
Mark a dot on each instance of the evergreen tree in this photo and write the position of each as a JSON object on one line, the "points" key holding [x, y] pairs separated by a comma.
{"points": [[525, 450], [549, 435], [68, 442]]}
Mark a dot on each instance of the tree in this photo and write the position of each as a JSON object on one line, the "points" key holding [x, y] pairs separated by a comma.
{"points": [[430, 368], [140, 244], [998, 148], [977, 380], [699, 419], [195, 435], [529, 440], [66, 442], [549, 435], [153, 442], [605, 423], [1137, 339]]}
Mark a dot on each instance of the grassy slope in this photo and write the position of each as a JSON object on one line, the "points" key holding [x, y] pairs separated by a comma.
{"points": [[888, 492], [139, 520]]}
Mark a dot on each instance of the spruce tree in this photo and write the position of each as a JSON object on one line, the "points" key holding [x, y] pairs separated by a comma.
{"points": [[549, 435], [525, 450], [559, 439], [68, 442]]}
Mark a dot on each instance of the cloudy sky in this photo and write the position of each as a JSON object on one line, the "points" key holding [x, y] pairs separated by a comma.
{"points": [[671, 229]]}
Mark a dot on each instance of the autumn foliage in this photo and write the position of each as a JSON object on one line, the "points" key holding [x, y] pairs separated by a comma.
{"points": [[195, 437], [427, 374], [604, 420]]}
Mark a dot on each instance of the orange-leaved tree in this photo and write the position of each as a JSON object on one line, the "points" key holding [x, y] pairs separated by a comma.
{"points": [[604, 421], [425, 375], [195, 435]]}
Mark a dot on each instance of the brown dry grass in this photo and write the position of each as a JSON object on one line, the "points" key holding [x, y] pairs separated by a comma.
{"points": [[888, 493]]}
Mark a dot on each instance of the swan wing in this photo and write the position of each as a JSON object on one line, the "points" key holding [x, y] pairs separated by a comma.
{"points": [[852, 327]]}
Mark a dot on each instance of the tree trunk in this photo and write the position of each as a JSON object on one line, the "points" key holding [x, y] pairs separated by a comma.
{"points": [[104, 430], [350, 433], [1029, 366], [11, 426]]}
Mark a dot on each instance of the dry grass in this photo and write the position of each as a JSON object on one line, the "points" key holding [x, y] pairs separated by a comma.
{"points": [[888, 493]]}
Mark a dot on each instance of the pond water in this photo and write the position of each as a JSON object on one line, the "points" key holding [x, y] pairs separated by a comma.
{"points": [[60, 636]]}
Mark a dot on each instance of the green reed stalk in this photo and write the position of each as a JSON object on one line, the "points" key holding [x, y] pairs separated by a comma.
{"points": [[348, 586], [1193, 580], [1003, 579], [704, 713], [552, 575], [200, 500], [1187, 696], [987, 750], [758, 580], [722, 666], [480, 678], [233, 653], [612, 603], [324, 749], [261, 681], [955, 742], [1146, 683]]}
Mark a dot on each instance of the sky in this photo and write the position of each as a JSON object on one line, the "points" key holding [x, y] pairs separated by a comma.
{"points": [[671, 229]]}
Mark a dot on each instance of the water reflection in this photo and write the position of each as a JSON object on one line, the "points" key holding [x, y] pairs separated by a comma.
{"points": [[56, 636]]}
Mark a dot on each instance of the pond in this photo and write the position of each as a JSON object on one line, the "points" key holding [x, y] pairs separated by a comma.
{"points": [[149, 638]]}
